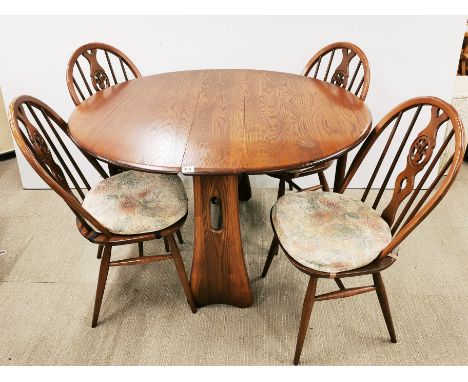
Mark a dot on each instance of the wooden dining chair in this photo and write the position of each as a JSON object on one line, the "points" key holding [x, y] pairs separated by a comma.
{"points": [[94, 67], [342, 64], [131, 207], [331, 235]]}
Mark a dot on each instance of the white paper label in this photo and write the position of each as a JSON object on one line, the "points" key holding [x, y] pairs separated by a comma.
{"points": [[188, 169]]}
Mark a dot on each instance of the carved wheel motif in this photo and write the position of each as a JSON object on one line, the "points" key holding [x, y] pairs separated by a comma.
{"points": [[338, 78], [100, 80], [40, 144], [41, 149], [418, 151], [419, 155]]}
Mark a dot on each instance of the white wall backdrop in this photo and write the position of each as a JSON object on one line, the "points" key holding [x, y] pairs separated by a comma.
{"points": [[409, 56]]}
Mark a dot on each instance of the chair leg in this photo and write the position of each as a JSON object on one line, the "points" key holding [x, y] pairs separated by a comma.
{"points": [[99, 250], [340, 284], [271, 254], [305, 317], [323, 181], [179, 236], [293, 185], [140, 249], [181, 272], [166, 245], [281, 188], [382, 295], [101, 285]]}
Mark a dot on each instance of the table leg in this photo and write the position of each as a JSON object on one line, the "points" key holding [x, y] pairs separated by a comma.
{"points": [[245, 191], [340, 172], [219, 274]]}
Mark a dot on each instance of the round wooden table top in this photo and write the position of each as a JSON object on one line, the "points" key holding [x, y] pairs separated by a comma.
{"points": [[220, 122]]}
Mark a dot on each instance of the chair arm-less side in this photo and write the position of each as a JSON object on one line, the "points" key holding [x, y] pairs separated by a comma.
{"points": [[39, 133], [404, 149], [94, 67], [351, 73]]}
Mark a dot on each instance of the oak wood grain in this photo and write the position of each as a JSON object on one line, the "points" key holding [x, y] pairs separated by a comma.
{"points": [[219, 274], [220, 122], [216, 142], [216, 125], [293, 121], [142, 124]]}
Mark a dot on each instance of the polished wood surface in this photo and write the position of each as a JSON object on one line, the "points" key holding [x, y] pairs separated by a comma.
{"points": [[220, 125], [345, 65], [139, 124], [219, 274], [220, 122]]}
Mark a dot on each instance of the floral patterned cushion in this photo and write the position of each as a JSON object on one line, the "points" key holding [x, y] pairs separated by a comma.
{"points": [[137, 202], [329, 232]]}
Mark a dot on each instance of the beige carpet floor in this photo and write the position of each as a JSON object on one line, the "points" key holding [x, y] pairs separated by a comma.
{"points": [[48, 279]]}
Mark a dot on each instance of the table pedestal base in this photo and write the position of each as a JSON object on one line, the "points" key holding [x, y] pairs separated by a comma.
{"points": [[219, 274]]}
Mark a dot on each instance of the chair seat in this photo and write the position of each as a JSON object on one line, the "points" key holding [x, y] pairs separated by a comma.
{"points": [[329, 232], [135, 202]]}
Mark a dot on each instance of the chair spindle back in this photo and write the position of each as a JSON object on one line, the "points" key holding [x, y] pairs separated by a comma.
{"points": [[422, 148], [94, 67], [39, 132], [342, 64]]}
